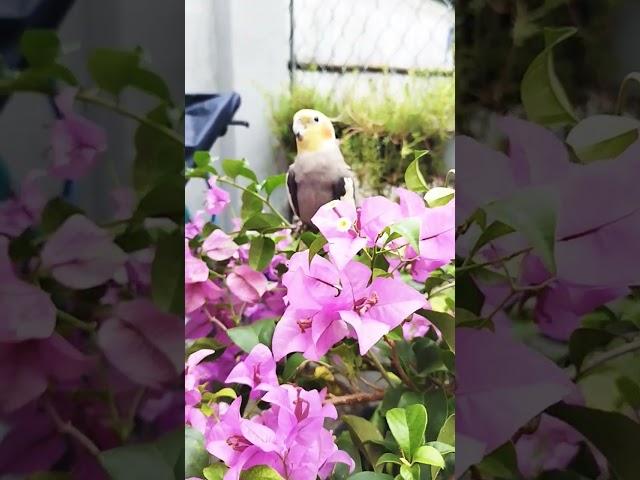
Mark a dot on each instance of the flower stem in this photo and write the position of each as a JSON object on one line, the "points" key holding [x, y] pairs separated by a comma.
{"points": [[356, 398], [380, 368], [259, 197], [68, 428], [87, 97], [76, 322], [609, 355]]}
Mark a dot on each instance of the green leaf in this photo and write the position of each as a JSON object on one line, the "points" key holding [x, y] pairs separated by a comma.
{"points": [[215, 471], [262, 222], [363, 431], [435, 401], [428, 455], [584, 341], [291, 365], [238, 168], [273, 182], [409, 228], [388, 458], [370, 476], [40, 48], [413, 177], [224, 393], [493, 231], [261, 252], [151, 83], [501, 463], [174, 454], [615, 435], [601, 137], [630, 391], [261, 472], [443, 322], [164, 200], [408, 426], [543, 97], [532, 212], [633, 77], [167, 275], [316, 246], [196, 456], [248, 336], [251, 205], [448, 431], [345, 443], [112, 70], [55, 212], [410, 472], [438, 196], [202, 159]]}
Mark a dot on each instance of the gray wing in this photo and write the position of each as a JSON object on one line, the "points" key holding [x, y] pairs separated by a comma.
{"points": [[343, 189], [292, 191]]}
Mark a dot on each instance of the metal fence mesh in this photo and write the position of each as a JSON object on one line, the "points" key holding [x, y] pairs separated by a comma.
{"points": [[338, 44]]}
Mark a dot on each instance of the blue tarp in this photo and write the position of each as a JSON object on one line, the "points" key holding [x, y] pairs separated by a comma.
{"points": [[207, 117]]}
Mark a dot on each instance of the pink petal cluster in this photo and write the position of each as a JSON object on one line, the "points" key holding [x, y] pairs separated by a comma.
{"points": [[326, 305], [216, 199], [289, 437], [75, 141], [349, 230]]}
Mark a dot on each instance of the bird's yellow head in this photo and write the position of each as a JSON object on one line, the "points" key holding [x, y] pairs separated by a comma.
{"points": [[312, 129]]}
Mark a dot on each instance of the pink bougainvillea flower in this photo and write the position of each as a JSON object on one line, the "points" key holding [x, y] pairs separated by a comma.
{"points": [[124, 199], [339, 224], [247, 284], [198, 294], [325, 303], [195, 226], [417, 326], [301, 413], [216, 199], [379, 308], [29, 367], [76, 141], [22, 211], [551, 447], [258, 371], [495, 395], [193, 416], [139, 341], [376, 214], [195, 269], [80, 255], [236, 441], [27, 310], [219, 246]]}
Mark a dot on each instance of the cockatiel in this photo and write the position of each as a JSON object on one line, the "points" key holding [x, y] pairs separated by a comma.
{"points": [[319, 173]]}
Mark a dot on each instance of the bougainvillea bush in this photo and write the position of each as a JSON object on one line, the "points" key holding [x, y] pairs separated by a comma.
{"points": [[325, 352], [91, 337]]}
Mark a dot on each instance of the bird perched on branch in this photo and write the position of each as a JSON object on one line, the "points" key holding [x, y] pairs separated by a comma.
{"points": [[319, 173]]}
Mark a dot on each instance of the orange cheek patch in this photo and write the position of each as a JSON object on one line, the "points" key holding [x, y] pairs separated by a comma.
{"points": [[326, 132]]}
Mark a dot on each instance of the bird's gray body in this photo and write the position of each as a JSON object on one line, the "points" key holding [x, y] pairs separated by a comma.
{"points": [[317, 178]]}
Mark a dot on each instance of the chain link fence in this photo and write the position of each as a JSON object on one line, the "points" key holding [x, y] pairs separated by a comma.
{"points": [[337, 45]]}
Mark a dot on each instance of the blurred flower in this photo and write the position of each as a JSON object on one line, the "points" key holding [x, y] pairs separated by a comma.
{"points": [[27, 310], [216, 198], [219, 246], [257, 370], [23, 210], [75, 141], [247, 284], [80, 255]]}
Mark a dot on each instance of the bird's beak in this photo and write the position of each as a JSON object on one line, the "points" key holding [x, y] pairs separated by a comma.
{"points": [[298, 129]]}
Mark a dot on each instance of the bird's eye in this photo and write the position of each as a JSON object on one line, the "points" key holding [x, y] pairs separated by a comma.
{"points": [[316, 119]]}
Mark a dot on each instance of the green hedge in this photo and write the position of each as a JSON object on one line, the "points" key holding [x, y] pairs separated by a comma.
{"points": [[378, 131]]}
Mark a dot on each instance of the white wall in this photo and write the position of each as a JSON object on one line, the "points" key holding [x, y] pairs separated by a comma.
{"points": [[240, 46]]}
